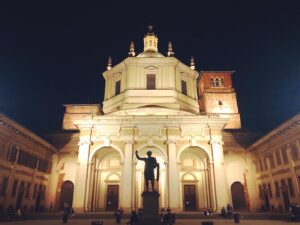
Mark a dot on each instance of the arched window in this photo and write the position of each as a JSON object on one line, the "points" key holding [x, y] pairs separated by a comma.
{"points": [[217, 82], [222, 82], [212, 82]]}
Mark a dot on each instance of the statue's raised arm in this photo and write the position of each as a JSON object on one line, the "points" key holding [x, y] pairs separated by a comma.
{"points": [[138, 157]]}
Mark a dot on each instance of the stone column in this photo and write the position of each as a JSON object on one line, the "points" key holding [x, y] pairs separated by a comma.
{"points": [[126, 184], [174, 181], [79, 199], [222, 198]]}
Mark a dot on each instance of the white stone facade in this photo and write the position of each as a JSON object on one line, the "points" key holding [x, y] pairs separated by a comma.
{"points": [[150, 103]]}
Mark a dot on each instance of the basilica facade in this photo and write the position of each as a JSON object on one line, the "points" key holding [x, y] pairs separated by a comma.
{"points": [[155, 102]]}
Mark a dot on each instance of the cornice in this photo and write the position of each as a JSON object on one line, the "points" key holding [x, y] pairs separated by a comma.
{"points": [[24, 133], [213, 121], [283, 129]]}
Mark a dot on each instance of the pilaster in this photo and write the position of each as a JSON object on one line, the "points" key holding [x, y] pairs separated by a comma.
{"points": [[126, 185], [221, 190], [174, 181], [79, 200]]}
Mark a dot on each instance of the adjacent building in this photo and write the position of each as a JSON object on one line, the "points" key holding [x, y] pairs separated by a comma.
{"points": [[277, 160], [25, 165]]}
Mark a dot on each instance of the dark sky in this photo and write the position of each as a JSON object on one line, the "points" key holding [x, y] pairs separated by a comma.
{"points": [[54, 52]]}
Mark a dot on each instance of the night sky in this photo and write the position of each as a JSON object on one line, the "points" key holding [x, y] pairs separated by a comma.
{"points": [[54, 52]]}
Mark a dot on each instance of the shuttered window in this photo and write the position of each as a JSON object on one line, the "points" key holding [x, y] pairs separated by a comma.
{"points": [[150, 81], [118, 87], [183, 87]]}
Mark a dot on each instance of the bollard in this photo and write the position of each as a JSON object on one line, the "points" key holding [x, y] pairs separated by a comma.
{"points": [[236, 218], [97, 223], [207, 223]]}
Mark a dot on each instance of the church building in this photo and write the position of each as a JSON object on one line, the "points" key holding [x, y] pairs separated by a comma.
{"points": [[188, 119]]}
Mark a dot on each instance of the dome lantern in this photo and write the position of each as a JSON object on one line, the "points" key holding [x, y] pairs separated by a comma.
{"points": [[150, 41]]}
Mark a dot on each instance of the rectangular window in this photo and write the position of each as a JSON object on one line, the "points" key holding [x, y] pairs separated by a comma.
{"points": [[260, 192], [44, 192], [12, 153], [261, 167], [118, 87], [4, 185], [14, 188], [270, 191], [27, 191], [43, 166], [294, 151], [27, 159], [283, 187], [291, 187], [277, 190], [284, 156], [265, 163], [278, 158], [150, 81], [183, 87], [272, 162], [34, 191]]}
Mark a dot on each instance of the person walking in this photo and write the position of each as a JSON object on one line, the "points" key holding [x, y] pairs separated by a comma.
{"points": [[66, 213]]}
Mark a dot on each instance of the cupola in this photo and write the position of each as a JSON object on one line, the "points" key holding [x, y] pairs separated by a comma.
{"points": [[150, 41]]}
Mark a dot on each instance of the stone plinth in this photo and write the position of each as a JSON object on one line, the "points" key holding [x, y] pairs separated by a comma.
{"points": [[150, 203]]}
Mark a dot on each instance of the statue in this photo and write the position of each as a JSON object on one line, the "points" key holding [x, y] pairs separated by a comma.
{"points": [[150, 165]]}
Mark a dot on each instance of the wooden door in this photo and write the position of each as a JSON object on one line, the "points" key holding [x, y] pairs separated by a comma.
{"points": [[238, 196], [190, 197], [285, 194], [112, 197], [66, 194], [286, 200]]}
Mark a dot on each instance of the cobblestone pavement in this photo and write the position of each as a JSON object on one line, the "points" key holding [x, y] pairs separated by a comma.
{"points": [[178, 222]]}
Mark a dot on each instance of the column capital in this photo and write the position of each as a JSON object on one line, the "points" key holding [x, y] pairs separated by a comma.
{"points": [[85, 142], [170, 141], [214, 141], [129, 141]]}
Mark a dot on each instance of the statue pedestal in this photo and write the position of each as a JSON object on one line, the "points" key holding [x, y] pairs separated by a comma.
{"points": [[150, 203], [150, 208]]}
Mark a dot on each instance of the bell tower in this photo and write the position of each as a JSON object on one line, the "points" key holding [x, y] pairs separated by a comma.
{"points": [[216, 95]]}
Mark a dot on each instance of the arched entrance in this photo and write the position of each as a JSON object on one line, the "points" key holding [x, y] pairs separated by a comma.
{"points": [[195, 177], [66, 194], [159, 186], [104, 180], [238, 196]]}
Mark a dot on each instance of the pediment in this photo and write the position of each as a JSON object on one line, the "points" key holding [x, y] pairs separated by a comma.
{"points": [[151, 68]]}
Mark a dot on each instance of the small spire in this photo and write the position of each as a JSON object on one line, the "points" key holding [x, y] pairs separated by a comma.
{"points": [[131, 49], [192, 63], [170, 49], [109, 63]]}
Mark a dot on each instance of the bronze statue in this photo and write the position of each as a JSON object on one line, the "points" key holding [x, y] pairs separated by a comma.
{"points": [[150, 165]]}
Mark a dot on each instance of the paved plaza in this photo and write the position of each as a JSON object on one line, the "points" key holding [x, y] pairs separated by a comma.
{"points": [[178, 222]]}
